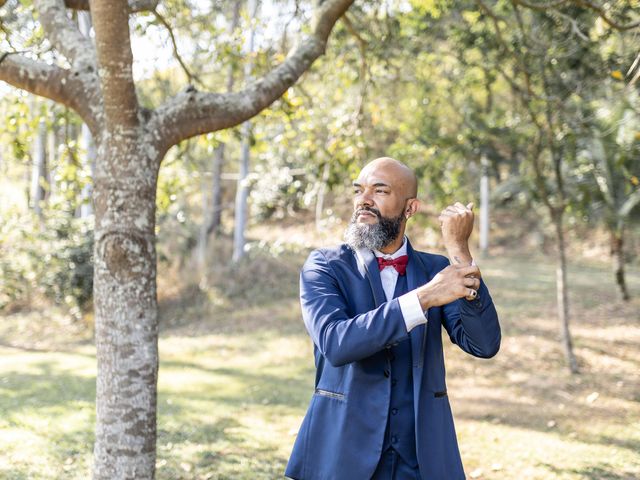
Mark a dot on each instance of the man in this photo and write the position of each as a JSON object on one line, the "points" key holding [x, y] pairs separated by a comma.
{"points": [[374, 308]]}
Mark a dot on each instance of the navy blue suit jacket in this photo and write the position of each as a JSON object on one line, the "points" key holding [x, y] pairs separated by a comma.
{"points": [[351, 323]]}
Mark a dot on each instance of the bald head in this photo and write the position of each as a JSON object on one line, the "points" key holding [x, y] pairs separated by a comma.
{"points": [[401, 176], [384, 199]]}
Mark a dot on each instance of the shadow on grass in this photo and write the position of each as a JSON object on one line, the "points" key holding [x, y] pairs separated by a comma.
{"points": [[49, 388], [222, 451], [535, 418], [290, 390]]}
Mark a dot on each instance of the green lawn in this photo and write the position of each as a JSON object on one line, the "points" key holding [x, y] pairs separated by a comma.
{"points": [[236, 375]]}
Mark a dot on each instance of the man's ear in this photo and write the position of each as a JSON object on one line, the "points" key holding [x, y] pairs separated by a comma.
{"points": [[413, 204]]}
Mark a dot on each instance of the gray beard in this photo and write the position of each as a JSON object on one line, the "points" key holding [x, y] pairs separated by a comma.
{"points": [[372, 236]]}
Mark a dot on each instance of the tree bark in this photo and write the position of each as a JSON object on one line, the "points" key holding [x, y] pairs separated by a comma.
{"points": [[125, 311], [134, 5], [561, 292]]}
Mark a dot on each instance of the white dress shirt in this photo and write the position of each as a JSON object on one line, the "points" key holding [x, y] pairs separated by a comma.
{"points": [[409, 304]]}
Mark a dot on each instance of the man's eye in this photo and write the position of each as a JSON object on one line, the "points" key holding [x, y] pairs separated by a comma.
{"points": [[357, 191], [381, 191]]}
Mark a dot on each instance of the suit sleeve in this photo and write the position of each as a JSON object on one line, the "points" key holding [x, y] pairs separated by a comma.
{"points": [[342, 338], [473, 324]]}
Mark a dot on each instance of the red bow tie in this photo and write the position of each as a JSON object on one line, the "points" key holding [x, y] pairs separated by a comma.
{"points": [[400, 263]]}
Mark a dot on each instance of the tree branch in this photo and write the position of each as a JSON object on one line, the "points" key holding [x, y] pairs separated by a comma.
{"points": [[190, 76], [64, 34], [134, 5], [193, 113], [48, 81], [541, 6], [574, 24], [634, 66], [115, 59], [581, 3], [603, 14]]}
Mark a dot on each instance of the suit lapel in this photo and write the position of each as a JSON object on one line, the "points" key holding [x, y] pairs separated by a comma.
{"points": [[416, 276], [368, 267]]}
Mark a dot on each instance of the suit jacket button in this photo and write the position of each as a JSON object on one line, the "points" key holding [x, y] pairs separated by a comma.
{"points": [[386, 373]]}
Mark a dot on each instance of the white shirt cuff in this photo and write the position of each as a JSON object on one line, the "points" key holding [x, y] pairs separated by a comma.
{"points": [[411, 310]]}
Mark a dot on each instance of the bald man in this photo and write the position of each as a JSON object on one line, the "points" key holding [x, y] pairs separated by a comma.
{"points": [[374, 308]]}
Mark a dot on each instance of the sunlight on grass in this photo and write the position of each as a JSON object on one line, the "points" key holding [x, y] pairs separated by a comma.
{"points": [[494, 452]]}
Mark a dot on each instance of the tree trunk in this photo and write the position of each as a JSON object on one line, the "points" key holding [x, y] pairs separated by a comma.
{"points": [[39, 172], [617, 252], [218, 158], [52, 158], [242, 193], [125, 302], [216, 191], [484, 206], [561, 291], [86, 207], [322, 190], [125, 311]]}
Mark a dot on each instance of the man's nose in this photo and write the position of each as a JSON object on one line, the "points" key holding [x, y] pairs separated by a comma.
{"points": [[364, 200]]}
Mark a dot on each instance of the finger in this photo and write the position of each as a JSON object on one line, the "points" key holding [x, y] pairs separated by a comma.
{"points": [[471, 282], [458, 205], [468, 270], [472, 294], [470, 206]]}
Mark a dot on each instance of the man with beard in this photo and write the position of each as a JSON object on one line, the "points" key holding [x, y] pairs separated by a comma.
{"points": [[374, 308]]}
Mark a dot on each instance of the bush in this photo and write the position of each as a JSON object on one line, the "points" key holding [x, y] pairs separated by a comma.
{"points": [[52, 257]]}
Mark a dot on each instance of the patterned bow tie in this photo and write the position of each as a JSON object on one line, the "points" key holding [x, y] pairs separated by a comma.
{"points": [[400, 263]]}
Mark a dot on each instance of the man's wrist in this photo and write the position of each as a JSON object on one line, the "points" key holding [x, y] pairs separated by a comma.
{"points": [[424, 297], [460, 256]]}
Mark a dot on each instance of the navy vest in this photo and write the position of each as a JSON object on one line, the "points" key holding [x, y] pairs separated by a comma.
{"points": [[400, 432]]}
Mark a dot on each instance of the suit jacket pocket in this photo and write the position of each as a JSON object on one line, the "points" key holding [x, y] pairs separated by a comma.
{"points": [[329, 394]]}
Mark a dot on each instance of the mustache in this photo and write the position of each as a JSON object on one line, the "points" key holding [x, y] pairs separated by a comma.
{"points": [[375, 211]]}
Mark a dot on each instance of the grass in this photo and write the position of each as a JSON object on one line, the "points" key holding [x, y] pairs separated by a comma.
{"points": [[236, 375]]}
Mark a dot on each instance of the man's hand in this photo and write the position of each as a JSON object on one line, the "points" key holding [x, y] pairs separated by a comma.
{"points": [[456, 222], [451, 283]]}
